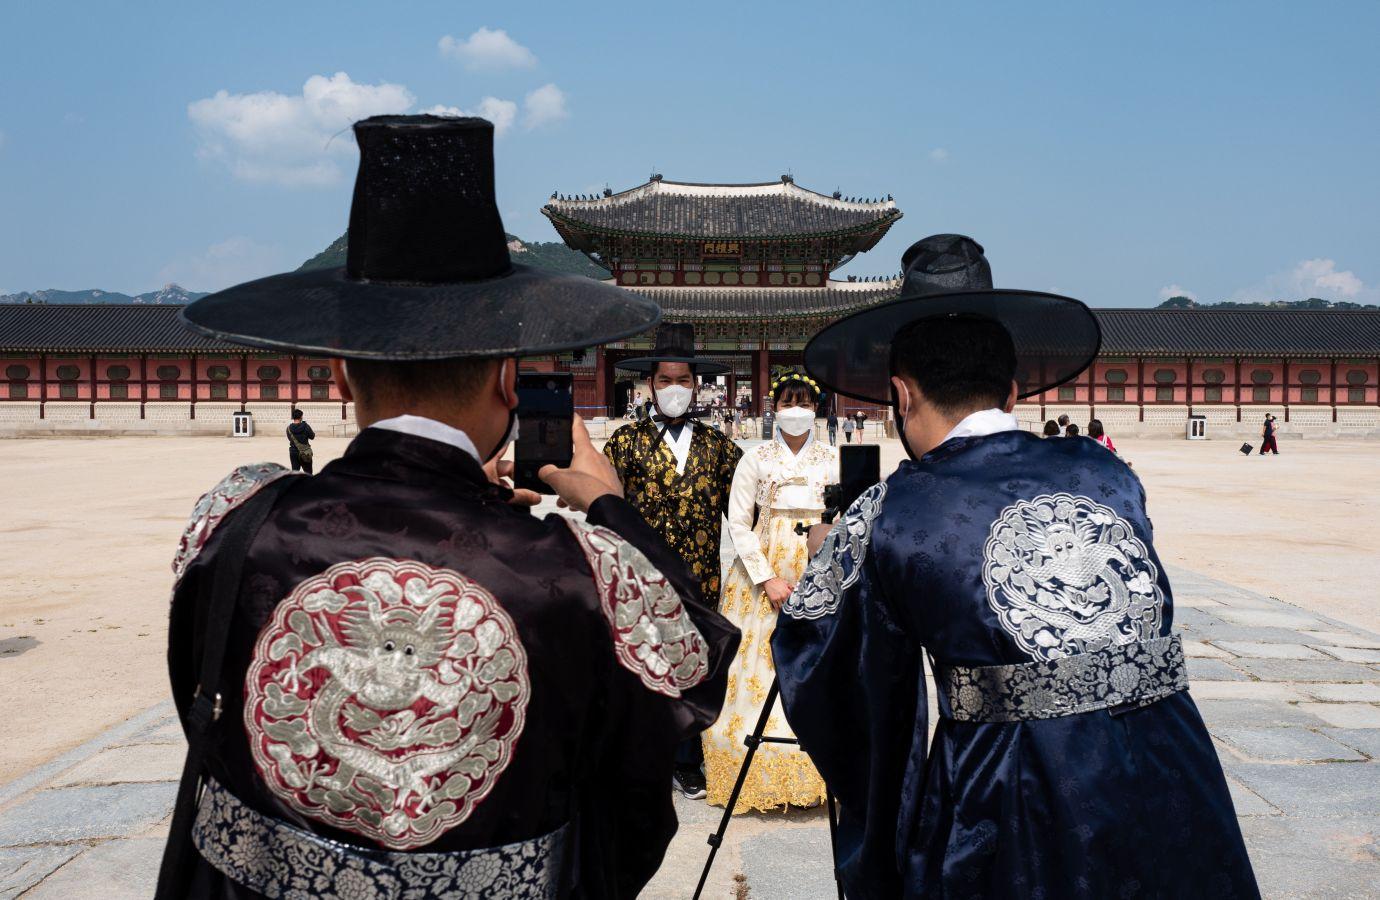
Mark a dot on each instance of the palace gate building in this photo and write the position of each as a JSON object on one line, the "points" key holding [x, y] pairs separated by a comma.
{"points": [[755, 268]]}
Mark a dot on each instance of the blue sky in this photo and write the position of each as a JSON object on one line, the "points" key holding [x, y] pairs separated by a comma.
{"points": [[1110, 151]]}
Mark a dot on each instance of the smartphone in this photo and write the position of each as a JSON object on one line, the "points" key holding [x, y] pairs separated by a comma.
{"points": [[860, 467], [546, 406]]}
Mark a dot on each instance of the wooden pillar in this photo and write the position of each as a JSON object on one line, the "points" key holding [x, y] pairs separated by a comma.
{"points": [[601, 379], [292, 362], [1236, 391], [194, 385], [1188, 377], [762, 377], [91, 410], [143, 382], [42, 384], [1332, 390], [1140, 387], [1092, 392], [1286, 390], [244, 380]]}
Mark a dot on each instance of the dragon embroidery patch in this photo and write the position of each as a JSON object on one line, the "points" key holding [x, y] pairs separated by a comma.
{"points": [[216, 504], [1067, 575], [653, 635], [385, 697]]}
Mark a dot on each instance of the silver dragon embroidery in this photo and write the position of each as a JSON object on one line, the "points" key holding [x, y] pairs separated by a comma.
{"points": [[1066, 575]]}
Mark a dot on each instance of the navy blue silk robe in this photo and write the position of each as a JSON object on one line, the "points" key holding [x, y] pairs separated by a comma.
{"points": [[990, 551]]}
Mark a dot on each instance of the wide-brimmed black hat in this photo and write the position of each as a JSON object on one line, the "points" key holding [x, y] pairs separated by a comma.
{"points": [[947, 274], [427, 273], [674, 344]]}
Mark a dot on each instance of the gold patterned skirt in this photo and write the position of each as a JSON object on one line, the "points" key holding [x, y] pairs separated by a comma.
{"points": [[781, 774]]}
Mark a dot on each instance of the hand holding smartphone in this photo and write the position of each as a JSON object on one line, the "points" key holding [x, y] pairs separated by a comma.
{"points": [[546, 407]]}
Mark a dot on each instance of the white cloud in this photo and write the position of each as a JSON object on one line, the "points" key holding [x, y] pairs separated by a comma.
{"points": [[543, 106], [503, 113], [293, 140], [1176, 290], [939, 154], [1311, 278], [220, 265], [488, 49]]}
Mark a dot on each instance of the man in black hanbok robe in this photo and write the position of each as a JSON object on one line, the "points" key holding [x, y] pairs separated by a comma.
{"points": [[425, 691], [1069, 760]]}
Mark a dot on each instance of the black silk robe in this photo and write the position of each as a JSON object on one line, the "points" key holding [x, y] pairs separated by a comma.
{"points": [[686, 508], [592, 709]]}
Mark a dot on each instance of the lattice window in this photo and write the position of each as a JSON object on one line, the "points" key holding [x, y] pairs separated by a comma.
{"points": [[168, 373], [1262, 376], [1310, 376], [220, 390], [321, 392], [1260, 395], [268, 392], [67, 390], [218, 373], [17, 373], [167, 392], [19, 391], [1164, 376], [1356, 376], [1355, 395], [1212, 394], [1214, 376], [270, 373], [1309, 395], [1164, 395], [1067, 393], [319, 373], [68, 373], [1116, 394], [1115, 376], [119, 391]]}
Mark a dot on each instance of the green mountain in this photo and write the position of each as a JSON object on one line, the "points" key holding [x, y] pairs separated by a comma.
{"points": [[171, 294], [539, 254], [1310, 303]]}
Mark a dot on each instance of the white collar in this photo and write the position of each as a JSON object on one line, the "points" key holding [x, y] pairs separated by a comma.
{"points": [[982, 423], [809, 439], [421, 426]]}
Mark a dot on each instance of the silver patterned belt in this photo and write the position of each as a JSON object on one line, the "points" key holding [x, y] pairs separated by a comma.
{"points": [[279, 861], [1130, 675]]}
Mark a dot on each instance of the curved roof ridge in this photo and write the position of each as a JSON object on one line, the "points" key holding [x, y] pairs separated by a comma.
{"points": [[781, 188]]}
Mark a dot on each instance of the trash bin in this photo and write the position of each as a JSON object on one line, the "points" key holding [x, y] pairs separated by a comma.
{"points": [[242, 424], [1197, 428]]}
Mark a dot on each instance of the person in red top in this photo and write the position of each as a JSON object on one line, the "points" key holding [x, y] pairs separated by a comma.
{"points": [[1097, 433]]}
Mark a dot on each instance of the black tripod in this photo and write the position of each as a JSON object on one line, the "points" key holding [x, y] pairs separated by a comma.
{"points": [[753, 741]]}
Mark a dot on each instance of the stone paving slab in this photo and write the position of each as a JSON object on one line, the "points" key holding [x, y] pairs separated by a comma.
{"points": [[1202, 650], [1366, 740], [133, 763], [22, 867], [1269, 618], [1254, 714], [1306, 670], [1266, 650], [1356, 654], [1248, 690], [1345, 715], [1341, 639], [1314, 859], [80, 813], [1329, 789], [1200, 669], [121, 868], [1286, 745], [1342, 693], [1248, 802]]}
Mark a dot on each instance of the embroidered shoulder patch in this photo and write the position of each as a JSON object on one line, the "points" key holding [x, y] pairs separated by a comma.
{"points": [[653, 635], [216, 504], [385, 698], [1067, 575], [838, 564]]}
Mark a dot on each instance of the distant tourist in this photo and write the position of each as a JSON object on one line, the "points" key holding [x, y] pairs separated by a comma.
{"points": [[848, 427], [861, 416], [1071, 430], [1099, 434], [1064, 424], [1267, 436], [1051, 428], [833, 424], [300, 436]]}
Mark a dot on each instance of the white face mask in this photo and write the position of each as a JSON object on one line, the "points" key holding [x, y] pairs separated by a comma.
{"points": [[795, 420], [673, 401]]}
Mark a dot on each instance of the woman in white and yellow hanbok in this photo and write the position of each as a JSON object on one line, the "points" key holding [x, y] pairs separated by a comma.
{"points": [[777, 484]]}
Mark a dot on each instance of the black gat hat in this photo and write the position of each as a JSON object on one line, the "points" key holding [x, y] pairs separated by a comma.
{"points": [[674, 344], [427, 275], [946, 275]]}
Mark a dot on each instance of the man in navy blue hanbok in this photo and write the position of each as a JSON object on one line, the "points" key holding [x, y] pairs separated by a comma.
{"points": [[1068, 760]]}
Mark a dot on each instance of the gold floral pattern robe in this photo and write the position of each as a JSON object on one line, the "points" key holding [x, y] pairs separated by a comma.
{"points": [[686, 508]]}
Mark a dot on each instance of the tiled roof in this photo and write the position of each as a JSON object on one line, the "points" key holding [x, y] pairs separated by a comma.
{"points": [[674, 209], [837, 298], [1240, 332], [96, 327], [1151, 332]]}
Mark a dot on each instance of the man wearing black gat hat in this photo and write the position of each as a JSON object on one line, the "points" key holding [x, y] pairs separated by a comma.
{"points": [[677, 472], [1069, 759], [394, 680]]}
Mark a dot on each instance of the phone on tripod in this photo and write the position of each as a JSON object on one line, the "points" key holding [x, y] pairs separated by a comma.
{"points": [[860, 467], [546, 408]]}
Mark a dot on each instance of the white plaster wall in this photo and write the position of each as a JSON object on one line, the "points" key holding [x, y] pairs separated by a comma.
{"points": [[19, 414], [1358, 416], [168, 414], [66, 412], [118, 414], [214, 417]]}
